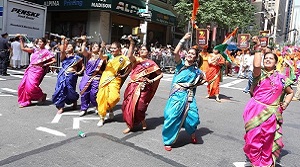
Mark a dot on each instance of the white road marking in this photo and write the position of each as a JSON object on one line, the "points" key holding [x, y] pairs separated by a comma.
{"points": [[2, 79], [6, 95], [16, 71], [247, 164], [9, 90], [51, 131], [76, 121], [0, 115], [17, 76], [21, 72], [242, 164], [58, 116], [232, 83]]}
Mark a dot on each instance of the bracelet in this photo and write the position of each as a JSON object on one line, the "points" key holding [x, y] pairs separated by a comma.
{"points": [[285, 103]]}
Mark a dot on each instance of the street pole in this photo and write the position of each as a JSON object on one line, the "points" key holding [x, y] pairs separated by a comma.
{"points": [[266, 24], [146, 24]]}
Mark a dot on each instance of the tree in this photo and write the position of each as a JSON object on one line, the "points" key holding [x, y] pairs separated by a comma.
{"points": [[226, 13]]}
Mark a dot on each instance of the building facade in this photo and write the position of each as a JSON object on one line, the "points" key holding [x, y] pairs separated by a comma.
{"points": [[109, 19]]}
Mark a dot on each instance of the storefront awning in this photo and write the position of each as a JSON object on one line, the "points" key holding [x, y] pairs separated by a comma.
{"points": [[127, 7], [162, 15]]}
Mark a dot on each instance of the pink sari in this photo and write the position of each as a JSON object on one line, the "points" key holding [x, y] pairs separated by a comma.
{"points": [[29, 88], [263, 119]]}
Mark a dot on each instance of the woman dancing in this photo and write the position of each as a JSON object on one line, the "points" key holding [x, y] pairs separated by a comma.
{"points": [[271, 94], [181, 109], [29, 88], [144, 80]]}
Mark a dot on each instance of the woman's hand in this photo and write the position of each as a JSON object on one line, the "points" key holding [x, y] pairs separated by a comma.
{"points": [[187, 36]]}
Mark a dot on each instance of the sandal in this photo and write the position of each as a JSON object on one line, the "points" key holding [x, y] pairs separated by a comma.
{"points": [[144, 125], [168, 148]]}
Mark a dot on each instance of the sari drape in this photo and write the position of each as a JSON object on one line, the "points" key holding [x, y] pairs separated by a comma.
{"points": [[138, 95], [65, 90], [181, 108], [110, 83], [29, 87], [89, 83], [213, 77], [263, 119]]}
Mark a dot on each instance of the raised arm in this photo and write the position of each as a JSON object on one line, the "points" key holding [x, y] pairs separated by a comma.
{"points": [[179, 46], [62, 48], [28, 50], [257, 64], [131, 50], [102, 50]]}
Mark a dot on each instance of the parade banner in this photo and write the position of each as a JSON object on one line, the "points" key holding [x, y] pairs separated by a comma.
{"points": [[202, 37], [264, 38], [264, 41], [264, 33], [243, 41]]}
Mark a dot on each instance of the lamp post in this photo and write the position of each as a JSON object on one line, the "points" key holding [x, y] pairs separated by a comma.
{"points": [[146, 24]]}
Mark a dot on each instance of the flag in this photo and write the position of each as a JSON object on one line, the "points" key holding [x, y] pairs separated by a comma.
{"points": [[195, 9], [194, 13], [221, 48], [228, 39]]}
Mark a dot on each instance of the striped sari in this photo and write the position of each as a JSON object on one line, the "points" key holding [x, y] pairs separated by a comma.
{"points": [[263, 119]]}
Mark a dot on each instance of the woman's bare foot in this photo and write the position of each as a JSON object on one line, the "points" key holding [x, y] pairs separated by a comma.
{"points": [[60, 111], [193, 138], [74, 107], [144, 125], [127, 130]]}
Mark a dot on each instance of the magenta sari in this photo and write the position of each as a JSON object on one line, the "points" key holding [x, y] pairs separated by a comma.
{"points": [[263, 119], [29, 88], [138, 95]]}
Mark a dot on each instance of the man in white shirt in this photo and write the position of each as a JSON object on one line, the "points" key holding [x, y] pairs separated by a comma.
{"points": [[249, 71], [16, 53]]}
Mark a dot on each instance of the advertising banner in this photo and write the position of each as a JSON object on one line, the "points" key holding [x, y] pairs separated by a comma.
{"points": [[202, 37], [243, 41]]}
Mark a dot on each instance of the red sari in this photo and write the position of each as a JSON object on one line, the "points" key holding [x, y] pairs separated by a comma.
{"points": [[213, 74], [138, 95]]}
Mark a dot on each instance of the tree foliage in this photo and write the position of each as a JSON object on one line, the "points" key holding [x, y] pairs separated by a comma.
{"points": [[225, 13]]}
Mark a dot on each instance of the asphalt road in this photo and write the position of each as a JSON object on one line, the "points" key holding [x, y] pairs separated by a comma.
{"points": [[35, 136]]}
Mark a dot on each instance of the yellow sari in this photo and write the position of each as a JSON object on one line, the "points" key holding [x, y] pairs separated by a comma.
{"points": [[110, 83]]}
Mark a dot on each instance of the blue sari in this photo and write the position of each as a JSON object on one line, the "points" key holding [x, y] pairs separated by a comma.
{"points": [[181, 109], [65, 90]]}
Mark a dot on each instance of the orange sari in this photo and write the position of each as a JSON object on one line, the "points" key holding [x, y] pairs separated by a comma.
{"points": [[213, 74]]}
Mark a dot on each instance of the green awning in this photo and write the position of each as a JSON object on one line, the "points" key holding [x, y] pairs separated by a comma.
{"points": [[162, 15], [161, 10]]}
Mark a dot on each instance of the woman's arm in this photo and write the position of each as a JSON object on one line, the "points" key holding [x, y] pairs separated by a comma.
{"points": [[81, 64], [288, 98], [84, 52], [257, 64], [131, 50], [101, 51], [28, 50], [62, 49], [179, 46], [159, 76], [53, 60]]}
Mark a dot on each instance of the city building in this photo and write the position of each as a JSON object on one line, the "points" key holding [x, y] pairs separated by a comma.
{"points": [[109, 19]]}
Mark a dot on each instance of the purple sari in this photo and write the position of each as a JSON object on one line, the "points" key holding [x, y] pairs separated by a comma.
{"points": [[263, 119], [29, 88], [89, 83], [65, 90]]}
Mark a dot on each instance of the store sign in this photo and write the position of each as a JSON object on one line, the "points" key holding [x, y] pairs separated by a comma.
{"points": [[243, 41], [76, 4], [202, 37], [126, 7]]}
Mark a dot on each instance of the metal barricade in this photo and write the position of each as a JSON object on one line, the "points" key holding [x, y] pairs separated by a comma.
{"points": [[168, 64]]}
